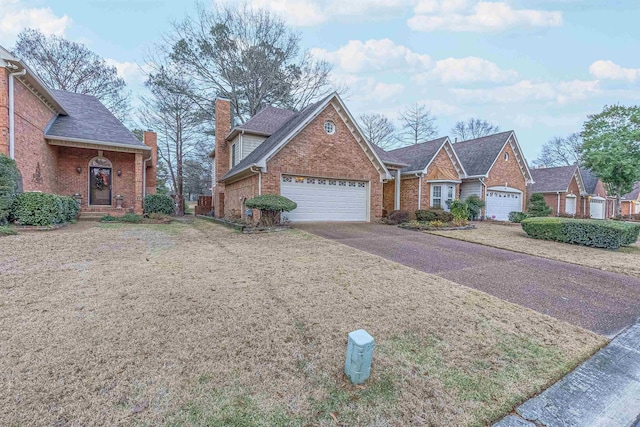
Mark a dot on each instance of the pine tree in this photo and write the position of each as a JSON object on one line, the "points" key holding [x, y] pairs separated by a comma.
{"points": [[537, 206]]}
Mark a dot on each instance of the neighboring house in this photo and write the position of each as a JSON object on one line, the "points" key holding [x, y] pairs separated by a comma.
{"points": [[631, 201], [317, 157], [496, 171], [70, 144], [562, 188], [430, 176], [596, 203]]}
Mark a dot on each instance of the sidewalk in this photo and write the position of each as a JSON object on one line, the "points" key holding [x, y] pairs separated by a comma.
{"points": [[603, 391]]}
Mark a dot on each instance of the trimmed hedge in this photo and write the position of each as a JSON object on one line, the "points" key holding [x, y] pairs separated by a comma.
{"points": [[398, 217], [517, 217], [9, 186], [159, 203], [424, 215], [587, 232], [271, 202], [43, 209]]}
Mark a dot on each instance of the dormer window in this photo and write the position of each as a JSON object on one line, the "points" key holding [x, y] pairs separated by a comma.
{"points": [[329, 127], [506, 156]]}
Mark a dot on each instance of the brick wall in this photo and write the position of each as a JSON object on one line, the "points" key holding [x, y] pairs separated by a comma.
{"points": [[71, 182], [4, 111], [35, 158], [237, 193], [388, 194], [313, 152], [552, 200], [223, 127], [150, 139], [507, 172]]}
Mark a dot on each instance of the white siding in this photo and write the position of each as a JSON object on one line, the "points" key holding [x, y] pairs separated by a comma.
{"points": [[250, 143], [570, 207], [470, 188]]}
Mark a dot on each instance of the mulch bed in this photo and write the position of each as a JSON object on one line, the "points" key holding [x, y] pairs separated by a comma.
{"points": [[427, 228], [18, 227]]}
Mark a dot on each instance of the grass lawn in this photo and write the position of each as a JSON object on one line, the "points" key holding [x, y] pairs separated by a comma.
{"points": [[194, 324], [625, 260]]}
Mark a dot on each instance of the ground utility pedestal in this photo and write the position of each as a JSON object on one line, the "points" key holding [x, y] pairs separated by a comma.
{"points": [[359, 356]]}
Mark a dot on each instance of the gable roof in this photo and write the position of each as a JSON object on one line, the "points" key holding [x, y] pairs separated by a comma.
{"points": [[590, 180], [634, 194], [265, 122], [89, 121], [388, 158], [552, 180], [478, 155], [288, 130], [418, 156]]}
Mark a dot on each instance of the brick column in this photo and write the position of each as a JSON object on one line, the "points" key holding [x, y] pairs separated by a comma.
{"points": [[223, 127], [151, 140], [4, 111], [139, 164]]}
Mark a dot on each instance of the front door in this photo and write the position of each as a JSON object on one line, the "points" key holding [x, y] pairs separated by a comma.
{"points": [[100, 186]]}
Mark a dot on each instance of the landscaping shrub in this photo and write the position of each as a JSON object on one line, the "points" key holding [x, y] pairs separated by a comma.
{"points": [[71, 208], [270, 206], [596, 233], [436, 224], [459, 210], [9, 186], [39, 209], [517, 217], [6, 231], [131, 218], [109, 218], [159, 203], [460, 222], [398, 217], [537, 206], [434, 215], [475, 205]]}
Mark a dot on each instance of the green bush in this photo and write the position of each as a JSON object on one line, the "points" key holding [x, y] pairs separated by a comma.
{"points": [[158, 203], [38, 209], [425, 215], [538, 206], [475, 205], [109, 218], [130, 218], [71, 208], [587, 232], [9, 186], [398, 217], [6, 231], [517, 217], [459, 210], [270, 206]]}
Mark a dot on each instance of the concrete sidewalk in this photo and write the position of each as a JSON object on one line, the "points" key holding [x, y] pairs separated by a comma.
{"points": [[603, 391]]}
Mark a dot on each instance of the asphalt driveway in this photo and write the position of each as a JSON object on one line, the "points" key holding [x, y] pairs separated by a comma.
{"points": [[597, 300]]}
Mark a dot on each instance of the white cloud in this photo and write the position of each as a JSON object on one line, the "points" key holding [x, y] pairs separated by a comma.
{"points": [[470, 15], [374, 55], [527, 91], [315, 12], [466, 70], [132, 73], [15, 16], [441, 108], [611, 71]]}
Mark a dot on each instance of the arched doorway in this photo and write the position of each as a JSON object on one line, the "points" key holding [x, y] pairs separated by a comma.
{"points": [[100, 169]]}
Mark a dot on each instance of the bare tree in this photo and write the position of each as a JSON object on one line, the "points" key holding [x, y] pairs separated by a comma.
{"points": [[418, 124], [249, 56], [71, 66], [170, 111], [561, 151], [378, 129], [473, 128]]}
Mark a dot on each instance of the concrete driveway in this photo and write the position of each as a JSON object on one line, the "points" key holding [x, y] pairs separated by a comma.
{"points": [[600, 301]]}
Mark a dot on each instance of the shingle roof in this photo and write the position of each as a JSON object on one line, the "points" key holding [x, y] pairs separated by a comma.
{"points": [[276, 138], [549, 180], [418, 156], [634, 194], [590, 180], [88, 120], [477, 155], [268, 120], [388, 157]]}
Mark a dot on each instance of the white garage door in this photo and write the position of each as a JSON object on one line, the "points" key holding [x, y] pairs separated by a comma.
{"points": [[321, 199], [500, 202], [596, 207]]}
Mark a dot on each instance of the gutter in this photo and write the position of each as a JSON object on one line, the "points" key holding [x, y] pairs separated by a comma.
{"points": [[12, 131], [558, 211], [90, 141]]}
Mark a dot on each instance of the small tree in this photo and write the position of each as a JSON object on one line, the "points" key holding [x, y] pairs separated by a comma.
{"points": [[418, 124], [475, 205], [270, 206], [9, 186], [538, 206], [473, 128]]}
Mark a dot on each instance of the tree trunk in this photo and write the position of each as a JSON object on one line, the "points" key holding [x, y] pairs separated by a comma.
{"points": [[619, 202]]}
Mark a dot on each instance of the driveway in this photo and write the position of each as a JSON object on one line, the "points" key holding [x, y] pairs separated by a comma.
{"points": [[597, 300]]}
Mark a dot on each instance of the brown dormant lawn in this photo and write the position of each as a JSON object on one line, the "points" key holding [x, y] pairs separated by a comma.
{"points": [[625, 260], [196, 324]]}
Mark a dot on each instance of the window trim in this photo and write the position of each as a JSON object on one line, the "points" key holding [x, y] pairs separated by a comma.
{"points": [[329, 123], [444, 195]]}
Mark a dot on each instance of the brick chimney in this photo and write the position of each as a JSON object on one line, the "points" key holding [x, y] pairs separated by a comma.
{"points": [[223, 127], [150, 139]]}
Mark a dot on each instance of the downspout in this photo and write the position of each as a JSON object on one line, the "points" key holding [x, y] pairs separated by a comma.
{"points": [[12, 135], [144, 179], [483, 191], [558, 211], [260, 183], [397, 198], [420, 190]]}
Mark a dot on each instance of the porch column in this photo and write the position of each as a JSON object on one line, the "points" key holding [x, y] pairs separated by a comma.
{"points": [[138, 179], [396, 204]]}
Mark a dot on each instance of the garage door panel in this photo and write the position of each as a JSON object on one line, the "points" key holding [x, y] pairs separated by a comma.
{"points": [[501, 203], [321, 199]]}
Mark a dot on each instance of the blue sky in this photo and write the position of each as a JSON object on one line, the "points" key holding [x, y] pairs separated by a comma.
{"points": [[537, 66]]}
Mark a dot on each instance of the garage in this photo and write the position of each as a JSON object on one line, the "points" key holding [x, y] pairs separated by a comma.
{"points": [[596, 207], [323, 199], [500, 201]]}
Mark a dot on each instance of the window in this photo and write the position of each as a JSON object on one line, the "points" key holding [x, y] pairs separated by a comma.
{"points": [[329, 127], [436, 196], [506, 156], [235, 154], [570, 205]]}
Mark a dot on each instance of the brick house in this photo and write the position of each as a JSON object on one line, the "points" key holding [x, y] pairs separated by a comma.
{"points": [[596, 203], [631, 201], [70, 144], [317, 157]]}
